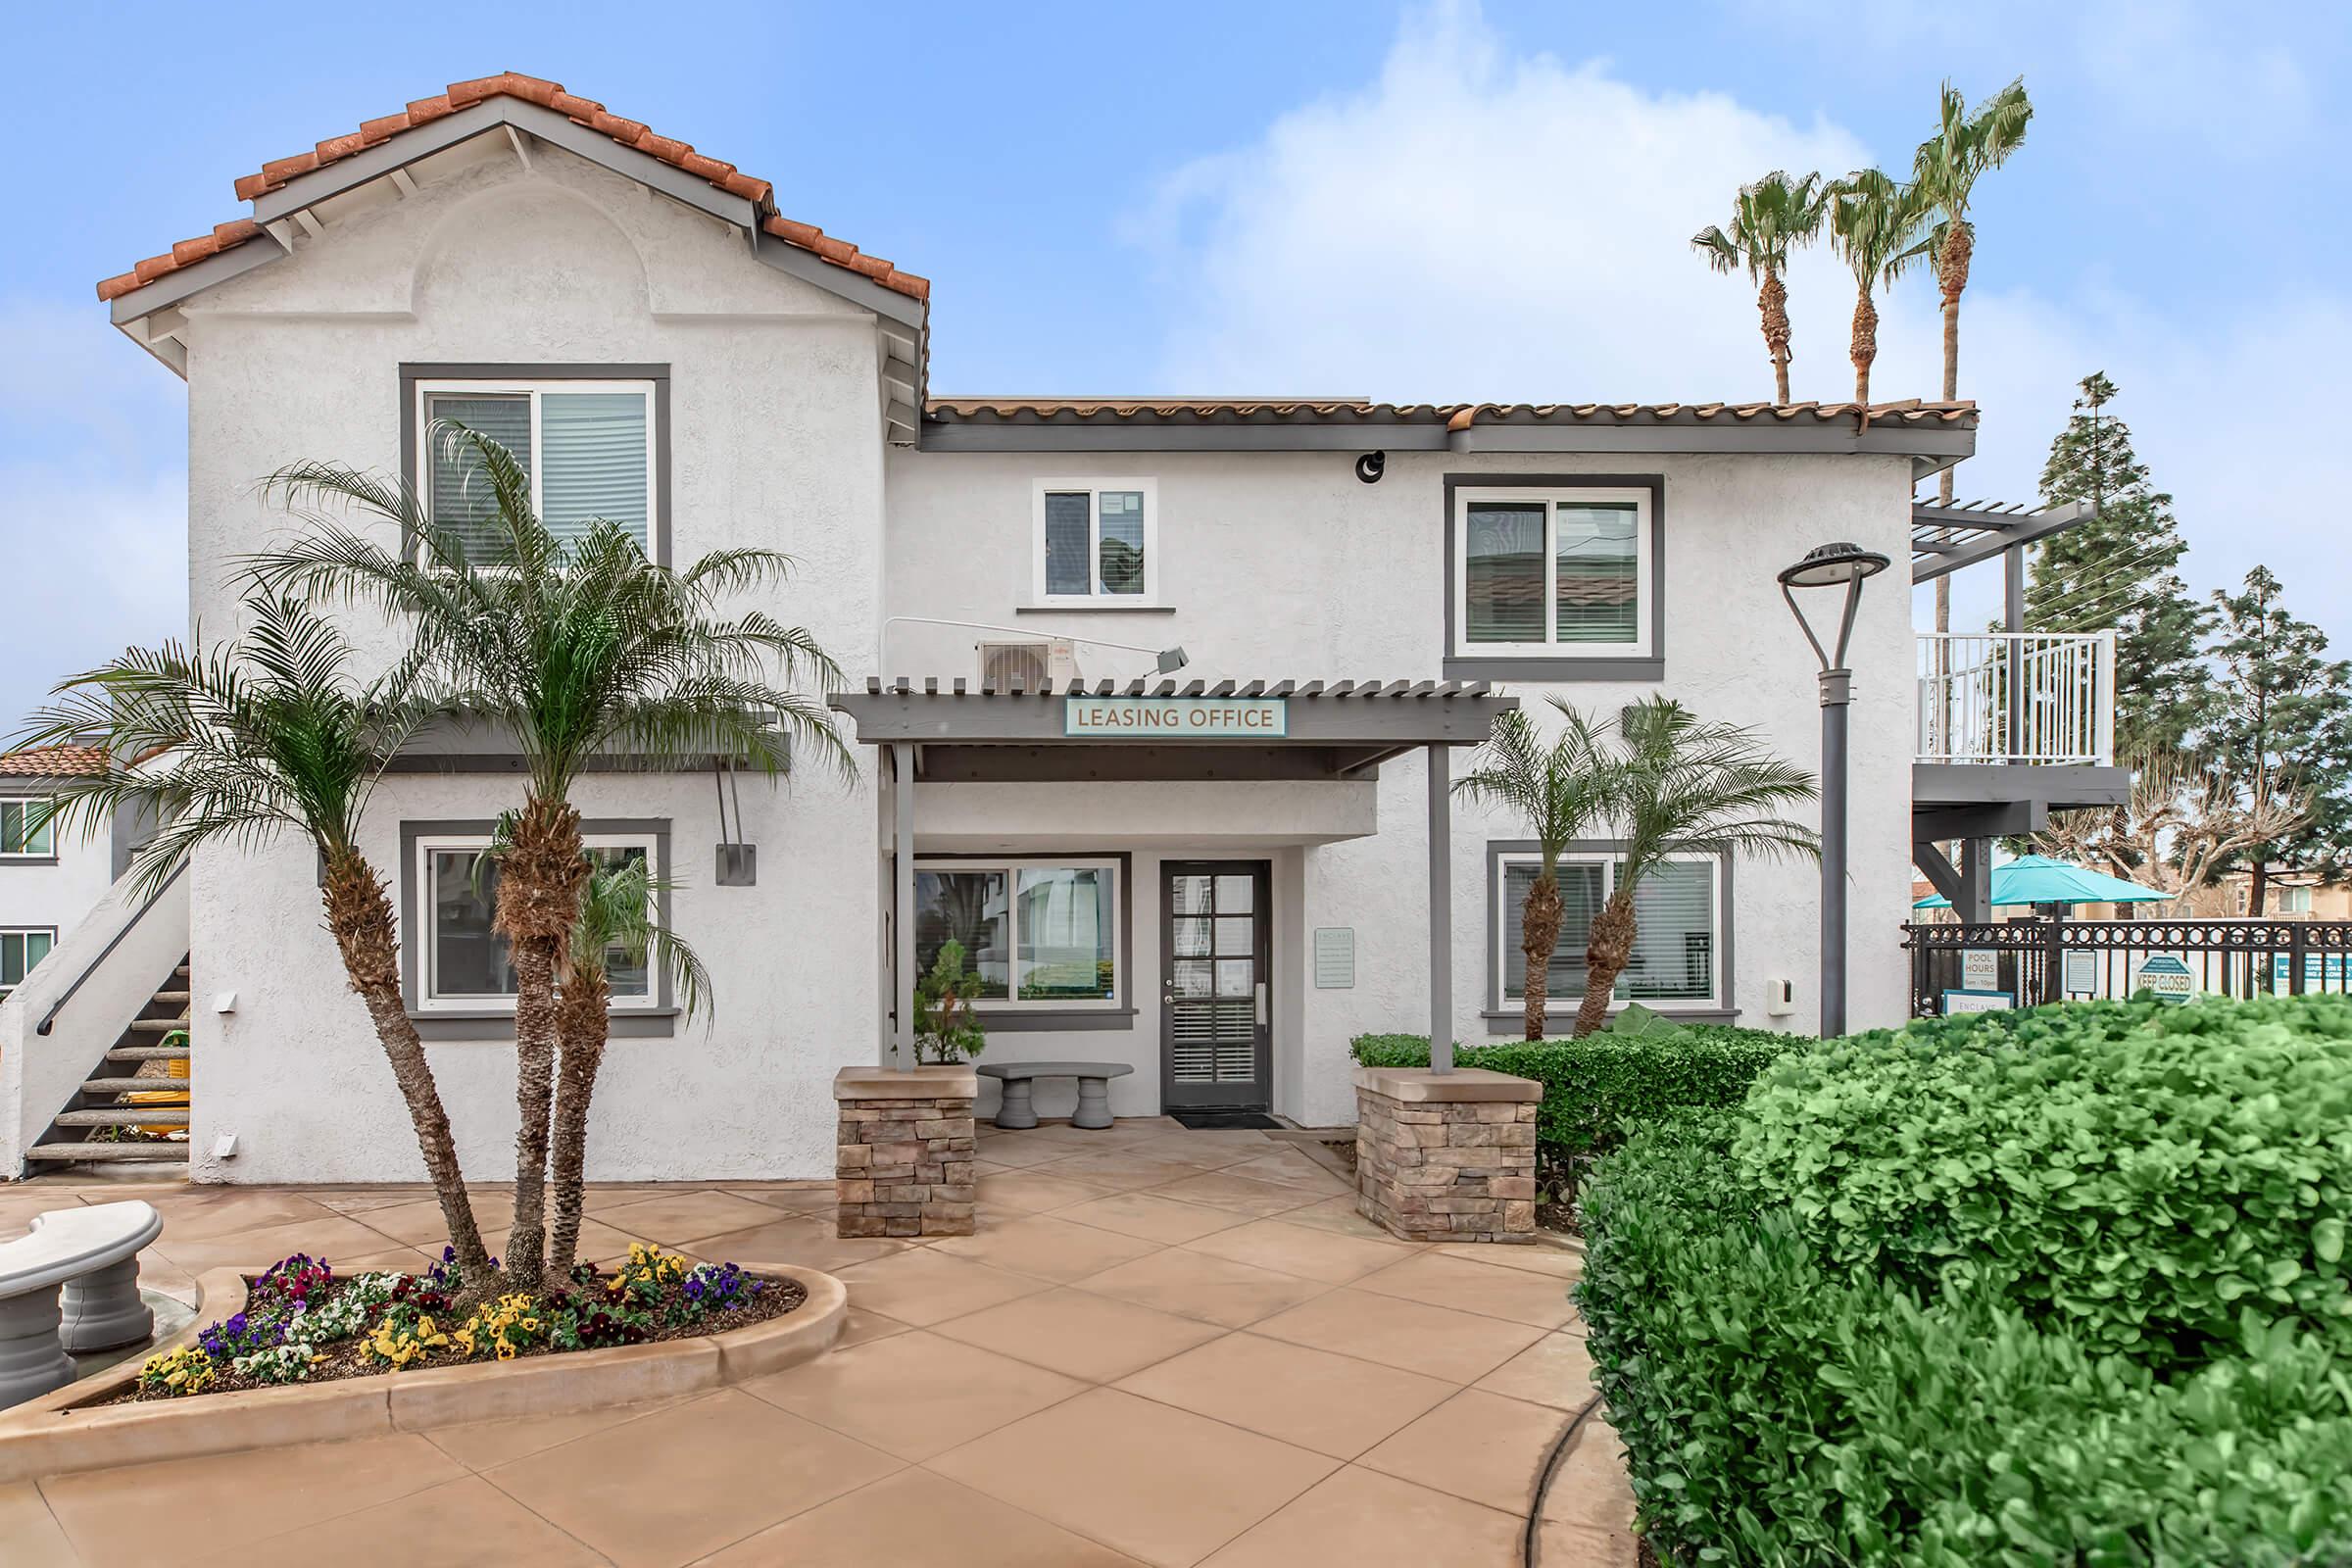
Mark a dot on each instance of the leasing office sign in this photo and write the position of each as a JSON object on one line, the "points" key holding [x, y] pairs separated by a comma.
{"points": [[1175, 718]]}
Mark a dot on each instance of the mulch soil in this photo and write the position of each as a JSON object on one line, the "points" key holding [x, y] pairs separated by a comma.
{"points": [[344, 1359]]}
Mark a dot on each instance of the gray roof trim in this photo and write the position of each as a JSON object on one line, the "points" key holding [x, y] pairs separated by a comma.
{"points": [[1346, 712], [810, 267], [175, 286]]}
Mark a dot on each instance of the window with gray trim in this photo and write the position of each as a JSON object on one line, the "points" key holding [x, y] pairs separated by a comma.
{"points": [[1038, 932], [1682, 914], [20, 947], [1554, 576], [27, 832]]}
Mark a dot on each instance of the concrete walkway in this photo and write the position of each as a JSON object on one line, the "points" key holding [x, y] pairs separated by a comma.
{"points": [[1164, 1347]]}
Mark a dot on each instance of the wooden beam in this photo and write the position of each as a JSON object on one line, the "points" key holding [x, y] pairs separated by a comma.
{"points": [[523, 154], [309, 222]]}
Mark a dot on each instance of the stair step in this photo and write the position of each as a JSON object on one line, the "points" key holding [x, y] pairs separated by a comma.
{"points": [[148, 1054], [126, 1116], [157, 1026], [180, 997], [140, 1153], [135, 1085]]}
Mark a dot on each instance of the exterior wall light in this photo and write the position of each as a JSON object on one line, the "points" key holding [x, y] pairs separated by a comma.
{"points": [[1844, 565]]}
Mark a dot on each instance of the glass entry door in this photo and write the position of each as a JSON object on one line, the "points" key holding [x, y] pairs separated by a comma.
{"points": [[1216, 1017]]}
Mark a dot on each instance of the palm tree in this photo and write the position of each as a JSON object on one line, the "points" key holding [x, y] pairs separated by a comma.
{"points": [[241, 743], [1946, 169], [1878, 225], [617, 915], [1560, 789], [1684, 786], [1771, 218], [573, 649]]}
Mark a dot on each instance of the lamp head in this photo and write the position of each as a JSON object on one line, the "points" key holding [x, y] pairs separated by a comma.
{"points": [[1831, 565], [1172, 659]]}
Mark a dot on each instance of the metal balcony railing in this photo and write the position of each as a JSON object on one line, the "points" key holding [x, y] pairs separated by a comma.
{"points": [[2024, 697]]}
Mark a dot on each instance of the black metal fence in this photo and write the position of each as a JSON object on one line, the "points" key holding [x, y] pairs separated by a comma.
{"points": [[2028, 961]]}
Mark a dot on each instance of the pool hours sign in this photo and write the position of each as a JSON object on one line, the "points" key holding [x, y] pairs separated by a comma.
{"points": [[1175, 718]]}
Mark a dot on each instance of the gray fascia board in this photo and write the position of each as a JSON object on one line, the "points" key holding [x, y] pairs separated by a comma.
{"points": [[854, 287], [2054, 787], [559, 131], [397, 151], [173, 287], [1809, 437], [1037, 720]]}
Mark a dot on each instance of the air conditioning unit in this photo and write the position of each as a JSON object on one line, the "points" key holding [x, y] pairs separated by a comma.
{"points": [[1028, 663]]}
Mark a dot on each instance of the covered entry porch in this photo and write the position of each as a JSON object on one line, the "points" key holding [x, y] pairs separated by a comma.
{"points": [[1187, 810]]}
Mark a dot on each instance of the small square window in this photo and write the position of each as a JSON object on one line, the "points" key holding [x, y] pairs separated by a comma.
{"points": [[20, 950], [1096, 541], [25, 828]]}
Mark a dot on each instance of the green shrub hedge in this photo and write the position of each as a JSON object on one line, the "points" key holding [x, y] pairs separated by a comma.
{"points": [[1596, 1087], [1860, 1319]]}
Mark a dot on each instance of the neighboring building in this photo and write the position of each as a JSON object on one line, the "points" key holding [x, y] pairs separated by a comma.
{"points": [[51, 874], [1357, 586], [2292, 894]]}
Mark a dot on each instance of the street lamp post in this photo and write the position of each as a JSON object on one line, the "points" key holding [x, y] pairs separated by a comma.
{"points": [[1830, 566]]}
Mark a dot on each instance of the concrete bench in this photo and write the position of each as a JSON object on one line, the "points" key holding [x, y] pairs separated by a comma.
{"points": [[1019, 1108], [71, 1284]]}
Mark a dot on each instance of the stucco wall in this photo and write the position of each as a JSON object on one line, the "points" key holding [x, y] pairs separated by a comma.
{"points": [[775, 441], [1284, 564]]}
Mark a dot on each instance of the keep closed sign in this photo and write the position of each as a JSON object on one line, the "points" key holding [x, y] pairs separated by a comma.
{"points": [[1175, 718]]}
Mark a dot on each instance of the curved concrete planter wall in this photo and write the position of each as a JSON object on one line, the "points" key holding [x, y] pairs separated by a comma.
{"points": [[70, 1430]]}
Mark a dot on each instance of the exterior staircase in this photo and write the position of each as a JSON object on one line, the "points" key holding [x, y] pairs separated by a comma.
{"points": [[130, 1117]]}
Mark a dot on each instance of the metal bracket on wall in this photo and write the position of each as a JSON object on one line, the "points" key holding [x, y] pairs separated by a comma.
{"points": [[738, 861]]}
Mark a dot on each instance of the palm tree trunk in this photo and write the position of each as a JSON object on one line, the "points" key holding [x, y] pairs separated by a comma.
{"points": [[1539, 934], [1952, 270], [1865, 348], [1772, 302], [539, 877], [582, 1022], [359, 914], [1606, 953]]}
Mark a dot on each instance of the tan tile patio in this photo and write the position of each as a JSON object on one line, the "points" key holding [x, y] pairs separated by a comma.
{"points": [[1162, 1347]]}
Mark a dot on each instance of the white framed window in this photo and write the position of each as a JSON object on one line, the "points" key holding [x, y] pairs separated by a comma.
{"points": [[590, 448], [1096, 542], [2295, 899], [1677, 960], [27, 832], [1552, 573], [462, 964], [1041, 933], [20, 947]]}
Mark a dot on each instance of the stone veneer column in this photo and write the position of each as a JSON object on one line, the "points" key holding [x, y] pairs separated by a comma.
{"points": [[1447, 1158], [903, 1161]]}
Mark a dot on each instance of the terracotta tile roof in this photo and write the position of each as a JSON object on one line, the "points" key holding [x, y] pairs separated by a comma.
{"points": [[1453, 415], [548, 95], [55, 762]]}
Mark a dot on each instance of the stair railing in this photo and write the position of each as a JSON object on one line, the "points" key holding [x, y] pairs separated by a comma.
{"points": [[90, 969]]}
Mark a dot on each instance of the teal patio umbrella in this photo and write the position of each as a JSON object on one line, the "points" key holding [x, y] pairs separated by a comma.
{"points": [[2039, 879]]}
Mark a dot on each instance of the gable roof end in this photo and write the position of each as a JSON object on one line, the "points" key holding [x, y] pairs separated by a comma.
{"points": [[631, 133]]}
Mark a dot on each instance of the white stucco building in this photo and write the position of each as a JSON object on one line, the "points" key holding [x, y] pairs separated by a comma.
{"points": [[1221, 908]]}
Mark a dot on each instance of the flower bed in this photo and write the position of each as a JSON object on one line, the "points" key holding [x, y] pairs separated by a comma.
{"points": [[301, 1323]]}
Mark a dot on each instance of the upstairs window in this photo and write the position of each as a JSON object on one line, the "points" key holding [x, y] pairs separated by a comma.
{"points": [[1561, 575], [1096, 542], [20, 950], [26, 830], [588, 446]]}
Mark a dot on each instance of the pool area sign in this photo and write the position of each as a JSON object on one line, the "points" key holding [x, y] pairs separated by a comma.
{"points": [[1175, 718], [2168, 976]]}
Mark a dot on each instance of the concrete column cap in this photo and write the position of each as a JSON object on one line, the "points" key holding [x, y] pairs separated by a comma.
{"points": [[1463, 1084], [956, 1082]]}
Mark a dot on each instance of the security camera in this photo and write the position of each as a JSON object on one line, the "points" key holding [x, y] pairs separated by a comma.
{"points": [[1371, 466]]}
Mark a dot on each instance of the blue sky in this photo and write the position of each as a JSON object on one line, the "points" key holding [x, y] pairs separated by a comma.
{"points": [[1420, 202]]}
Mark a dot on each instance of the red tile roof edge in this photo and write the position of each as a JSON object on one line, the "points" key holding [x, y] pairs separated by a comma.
{"points": [[1454, 416], [55, 762], [546, 95]]}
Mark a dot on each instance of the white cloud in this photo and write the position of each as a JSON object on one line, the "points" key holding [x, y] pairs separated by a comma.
{"points": [[93, 502], [1474, 226]]}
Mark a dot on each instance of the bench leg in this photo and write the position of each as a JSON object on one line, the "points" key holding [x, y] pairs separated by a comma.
{"points": [[31, 1360], [102, 1309], [1094, 1104], [1018, 1108]]}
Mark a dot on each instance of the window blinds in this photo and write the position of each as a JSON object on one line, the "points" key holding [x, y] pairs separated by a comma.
{"points": [[592, 459]]}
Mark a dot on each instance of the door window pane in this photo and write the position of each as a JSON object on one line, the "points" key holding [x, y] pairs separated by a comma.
{"points": [[1064, 932], [1598, 575], [1068, 525], [1503, 578], [1193, 977], [1190, 936], [967, 906], [1233, 893], [1235, 977], [1189, 894], [458, 494], [1122, 514], [1237, 937], [593, 461], [1674, 947]]}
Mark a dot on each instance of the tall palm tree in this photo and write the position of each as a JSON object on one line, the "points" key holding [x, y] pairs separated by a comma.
{"points": [[246, 741], [1771, 218], [1879, 226], [1561, 789], [1946, 169], [617, 915], [1684, 786], [573, 648]]}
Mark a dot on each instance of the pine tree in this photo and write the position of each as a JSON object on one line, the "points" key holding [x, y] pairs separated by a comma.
{"points": [[2284, 724], [2117, 571]]}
